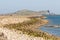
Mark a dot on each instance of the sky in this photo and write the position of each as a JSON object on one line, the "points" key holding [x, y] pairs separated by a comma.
{"points": [[9, 6]]}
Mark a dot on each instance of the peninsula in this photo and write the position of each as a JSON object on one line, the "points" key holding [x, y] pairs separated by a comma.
{"points": [[24, 26]]}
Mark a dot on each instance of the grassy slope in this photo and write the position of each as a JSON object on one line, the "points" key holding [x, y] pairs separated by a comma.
{"points": [[28, 27]]}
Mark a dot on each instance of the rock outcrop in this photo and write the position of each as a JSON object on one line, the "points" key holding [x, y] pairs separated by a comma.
{"points": [[3, 36]]}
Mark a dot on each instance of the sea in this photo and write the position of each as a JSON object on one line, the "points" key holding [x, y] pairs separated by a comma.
{"points": [[53, 20]]}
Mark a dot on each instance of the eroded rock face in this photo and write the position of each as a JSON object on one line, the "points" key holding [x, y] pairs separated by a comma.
{"points": [[2, 36]]}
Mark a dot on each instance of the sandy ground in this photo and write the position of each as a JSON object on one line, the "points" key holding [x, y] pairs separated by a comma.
{"points": [[14, 35]]}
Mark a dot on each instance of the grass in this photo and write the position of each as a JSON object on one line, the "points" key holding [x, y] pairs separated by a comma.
{"points": [[24, 27]]}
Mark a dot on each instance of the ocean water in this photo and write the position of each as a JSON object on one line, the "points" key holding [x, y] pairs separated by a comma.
{"points": [[54, 20]]}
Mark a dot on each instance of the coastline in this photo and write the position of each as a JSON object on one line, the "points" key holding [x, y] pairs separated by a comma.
{"points": [[31, 28], [34, 29]]}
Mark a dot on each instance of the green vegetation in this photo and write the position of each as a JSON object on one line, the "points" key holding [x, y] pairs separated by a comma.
{"points": [[25, 28]]}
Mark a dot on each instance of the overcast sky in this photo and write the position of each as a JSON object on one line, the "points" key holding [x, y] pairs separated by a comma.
{"points": [[7, 6]]}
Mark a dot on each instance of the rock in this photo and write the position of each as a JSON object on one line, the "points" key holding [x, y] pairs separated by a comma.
{"points": [[2, 36]]}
